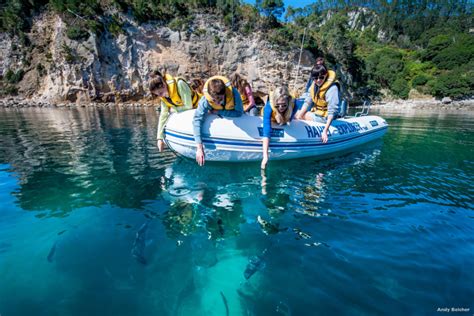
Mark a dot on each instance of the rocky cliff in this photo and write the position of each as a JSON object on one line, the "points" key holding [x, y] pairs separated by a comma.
{"points": [[115, 66]]}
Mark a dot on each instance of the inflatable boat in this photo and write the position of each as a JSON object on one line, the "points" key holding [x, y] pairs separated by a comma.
{"points": [[240, 139]]}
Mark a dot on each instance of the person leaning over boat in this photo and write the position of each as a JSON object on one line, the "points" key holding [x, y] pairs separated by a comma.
{"points": [[279, 109], [246, 94], [197, 85], [219, 98], [175, 95], [322, 97]]}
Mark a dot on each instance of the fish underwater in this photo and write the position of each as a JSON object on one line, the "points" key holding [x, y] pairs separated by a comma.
{"points": [[52, 251], [256, 263], [301, 234], [224, 299], [138, 248], [269, 228]]}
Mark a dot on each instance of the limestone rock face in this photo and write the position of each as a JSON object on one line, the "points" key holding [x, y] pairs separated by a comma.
{"points": [[115, 67], [361, 19], [5, 50]]}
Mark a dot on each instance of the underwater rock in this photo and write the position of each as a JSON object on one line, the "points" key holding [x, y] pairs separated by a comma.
{"points": [[256, 263]]}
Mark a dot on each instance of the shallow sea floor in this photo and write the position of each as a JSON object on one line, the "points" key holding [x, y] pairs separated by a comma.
{"points": [[95, 221]]}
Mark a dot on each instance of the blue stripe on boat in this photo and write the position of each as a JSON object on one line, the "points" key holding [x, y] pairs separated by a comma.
{"points": [[274, 145]]}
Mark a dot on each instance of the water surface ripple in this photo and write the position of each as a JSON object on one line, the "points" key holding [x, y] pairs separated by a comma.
{"points": [[95, 221]]}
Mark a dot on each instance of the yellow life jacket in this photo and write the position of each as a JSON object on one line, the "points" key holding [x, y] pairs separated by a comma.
{"points": [[174, 98], [288, 112], [320, 104], [199, 95], [229, 95]]}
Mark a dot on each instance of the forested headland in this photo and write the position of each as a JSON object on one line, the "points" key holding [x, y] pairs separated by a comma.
{"points": [[383, 48]]}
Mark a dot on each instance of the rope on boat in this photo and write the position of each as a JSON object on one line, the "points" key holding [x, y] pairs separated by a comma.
{"points": [[299, 61]]}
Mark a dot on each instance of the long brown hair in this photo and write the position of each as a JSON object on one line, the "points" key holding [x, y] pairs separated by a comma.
{"points": [[197, 85], [157, 80], [239, 82]]}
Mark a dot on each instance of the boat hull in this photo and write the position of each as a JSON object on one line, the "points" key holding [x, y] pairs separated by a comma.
{"points": [[239, 139]]}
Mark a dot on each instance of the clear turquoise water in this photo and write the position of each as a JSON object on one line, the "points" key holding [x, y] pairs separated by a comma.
{"points": [[390, 226]]}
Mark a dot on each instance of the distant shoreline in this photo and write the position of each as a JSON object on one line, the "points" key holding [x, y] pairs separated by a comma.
{"points": [[392, 105], [420, 104], [28, 103], [424, 104]]}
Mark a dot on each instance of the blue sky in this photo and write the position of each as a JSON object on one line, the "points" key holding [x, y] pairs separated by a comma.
{"points": [[296, 4]]}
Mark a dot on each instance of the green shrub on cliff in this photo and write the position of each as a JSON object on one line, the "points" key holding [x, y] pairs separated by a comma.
{"points": [[400, 88], [435, 45], [77, 33], [419, 80], [13, 77], [12, 18], [9, 90], [453, 84], [384, 66], [83, 8], [68, 54], [459, 52], [114, 25]]}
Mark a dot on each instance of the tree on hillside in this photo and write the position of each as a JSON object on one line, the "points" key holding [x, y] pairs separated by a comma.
{"points": [[15, 14], [335, 41], [297, 15], [384, 66], [271, 8]]}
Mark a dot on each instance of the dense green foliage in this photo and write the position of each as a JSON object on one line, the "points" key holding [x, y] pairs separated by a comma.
{"points": [[394, 45], [381, 45], [16, 15]]}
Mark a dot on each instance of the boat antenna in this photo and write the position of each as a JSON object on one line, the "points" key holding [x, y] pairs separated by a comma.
{"points": [[299, 61]]}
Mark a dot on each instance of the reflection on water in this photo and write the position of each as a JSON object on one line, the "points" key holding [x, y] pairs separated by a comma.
{"points": [[83, 157], [111, 226]]}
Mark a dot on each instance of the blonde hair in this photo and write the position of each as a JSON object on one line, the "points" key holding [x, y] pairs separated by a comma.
{"points": [[278, 93]]}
